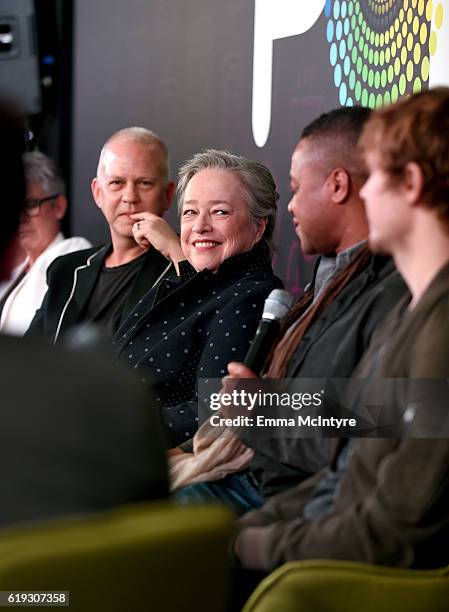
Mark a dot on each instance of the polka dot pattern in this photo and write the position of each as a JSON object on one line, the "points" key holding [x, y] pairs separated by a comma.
{"points": [[380, 49], [174, 342]]}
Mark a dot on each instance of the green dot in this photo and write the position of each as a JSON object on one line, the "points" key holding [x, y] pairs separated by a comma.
{"points": [[383, 78], [365, 73], [425, 68], [357, 8], [382, 58], [368, 32], [360, 18], [361, 43], [387, 98], [372, 38], [379, 101], [376, 58], [359, 65], [370, 78], [350, 41], [402, 84], [365, 51], [357, 34], [409, 70], [417, 85], [364, 27], [358, 91], [397, 66], [372, 100], [354, 55], [377, 79], [394, 93], [351, 9], [353, 22], [390, 73], [370, 56], [364, 98], [352, 79]]}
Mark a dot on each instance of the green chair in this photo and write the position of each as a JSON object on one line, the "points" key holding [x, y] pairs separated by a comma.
{"points": [[343, 586], [153, 557]]}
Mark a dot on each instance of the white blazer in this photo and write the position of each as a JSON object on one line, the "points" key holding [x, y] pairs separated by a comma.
{"points": [[26, 298]]}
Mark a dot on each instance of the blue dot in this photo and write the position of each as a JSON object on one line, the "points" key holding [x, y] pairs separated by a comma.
{"points": [[344, 8], [349, 102], [333, 54], [327, 8], [330, 31], [337, 75], [342, 49], [336, 9], [343, 94], [338, 30], [346, 66], [346, 26]]}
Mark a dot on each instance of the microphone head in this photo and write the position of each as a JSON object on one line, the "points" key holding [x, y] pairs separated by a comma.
{"points": [[277, 305]]}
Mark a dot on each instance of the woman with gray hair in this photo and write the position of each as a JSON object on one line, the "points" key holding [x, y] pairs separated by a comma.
{"points": [[192, 325], [40, 237]]}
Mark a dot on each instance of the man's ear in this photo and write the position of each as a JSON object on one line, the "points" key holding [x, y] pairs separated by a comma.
{"points": [[96, 193], [60, 206], [169, 194], [413, 182], [339, 184]]}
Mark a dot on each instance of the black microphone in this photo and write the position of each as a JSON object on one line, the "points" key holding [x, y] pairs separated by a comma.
{"points": [[276, 307]]}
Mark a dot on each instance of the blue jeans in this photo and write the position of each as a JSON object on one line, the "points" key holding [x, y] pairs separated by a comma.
{"points": [[237, 491]]}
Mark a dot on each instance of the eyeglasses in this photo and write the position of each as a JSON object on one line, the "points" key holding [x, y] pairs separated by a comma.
{"points": [[33, 205]]}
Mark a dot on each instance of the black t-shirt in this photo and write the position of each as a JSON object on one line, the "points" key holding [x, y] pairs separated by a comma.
{"points": [[110, 294]]}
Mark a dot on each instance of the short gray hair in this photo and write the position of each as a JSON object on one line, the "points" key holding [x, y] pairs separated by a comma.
{"points": [[39, 168], [259, 188], [144, 137]]}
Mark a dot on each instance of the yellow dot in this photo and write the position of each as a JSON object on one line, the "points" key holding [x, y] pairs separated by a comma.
{"points": [[404, 29], [387, 55], [414, 3], [393, 49], [433, 43], [405, 5], [409, 70], [381, 40], [403, 55], [429, 10], [397, 66], [423, 33], [391, 32], [401, 15], [387, 37], [421, 7], [439, 16], [425, 66], [417, 53], [415, 26], [410, 41], [399, 41], [409, 15]]}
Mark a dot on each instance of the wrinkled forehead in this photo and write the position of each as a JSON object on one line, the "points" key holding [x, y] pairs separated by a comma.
{"points": [[129, 157]]}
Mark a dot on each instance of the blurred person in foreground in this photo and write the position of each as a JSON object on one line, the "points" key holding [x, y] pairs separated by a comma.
{"points": [[42, 241], [100, 285], [379, 513], [190, 326], [69, 442]]}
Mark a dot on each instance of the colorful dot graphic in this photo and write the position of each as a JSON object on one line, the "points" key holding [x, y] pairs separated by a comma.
{"points": [[381, 50]]}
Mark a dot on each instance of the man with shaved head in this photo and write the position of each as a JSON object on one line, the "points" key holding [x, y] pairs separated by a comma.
{"points": [[100, 285]]}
